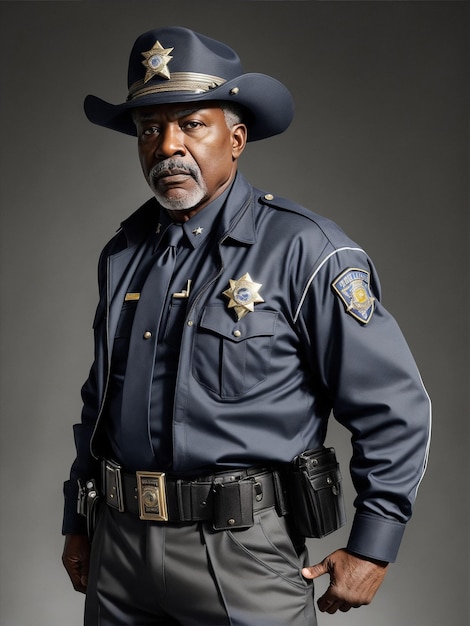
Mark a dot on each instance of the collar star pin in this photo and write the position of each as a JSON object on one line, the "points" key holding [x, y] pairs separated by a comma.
{"points": [[156, 61], [243, 295], [197, 231]]}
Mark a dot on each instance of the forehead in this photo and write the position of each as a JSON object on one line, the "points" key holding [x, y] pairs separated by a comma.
{"points": [[175, 111]]}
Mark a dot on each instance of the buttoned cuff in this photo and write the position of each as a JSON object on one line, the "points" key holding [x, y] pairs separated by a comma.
{"points": [[375, 537], [73, 523]]}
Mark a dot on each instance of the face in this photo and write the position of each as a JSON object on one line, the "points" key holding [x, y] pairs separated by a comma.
{"points": [[188, 154]]}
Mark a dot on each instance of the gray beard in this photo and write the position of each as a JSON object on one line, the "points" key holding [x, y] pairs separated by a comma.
{"points": [[187, 199]]}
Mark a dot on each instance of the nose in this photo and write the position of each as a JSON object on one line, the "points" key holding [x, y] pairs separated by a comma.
{"points": [[170, 142]]}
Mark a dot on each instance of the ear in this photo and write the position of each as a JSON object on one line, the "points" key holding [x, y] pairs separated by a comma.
{"points": [[239, 136]]}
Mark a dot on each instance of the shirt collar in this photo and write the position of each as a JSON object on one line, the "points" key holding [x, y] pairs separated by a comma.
{"points": [[203, 223], [199, 227], [151, 217]]}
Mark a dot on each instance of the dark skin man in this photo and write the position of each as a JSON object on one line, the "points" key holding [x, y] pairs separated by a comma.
{"points": [[189, 157]]}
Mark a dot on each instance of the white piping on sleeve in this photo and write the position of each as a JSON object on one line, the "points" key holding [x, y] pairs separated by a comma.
{"points": [[312, 277], [428, 445]]}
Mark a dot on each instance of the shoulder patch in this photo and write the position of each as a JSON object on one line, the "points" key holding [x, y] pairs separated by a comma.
{"points": [[353, 288]]}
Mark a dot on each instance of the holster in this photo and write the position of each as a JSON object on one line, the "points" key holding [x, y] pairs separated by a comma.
{"points": [[315, 493], [88, 504]]}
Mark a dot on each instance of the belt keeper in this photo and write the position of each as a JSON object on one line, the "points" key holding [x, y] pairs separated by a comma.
{"points": [[112, 483], [280, 495], [181, 493], [201, 500]]}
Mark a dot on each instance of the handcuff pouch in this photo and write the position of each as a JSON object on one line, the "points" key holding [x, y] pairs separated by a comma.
{"points": [[233, 505]]}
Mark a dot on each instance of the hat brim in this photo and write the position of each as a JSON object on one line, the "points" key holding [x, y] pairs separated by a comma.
{"points": [[267, 101]]}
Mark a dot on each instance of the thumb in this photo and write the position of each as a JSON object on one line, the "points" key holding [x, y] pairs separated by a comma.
{"points": [[315, 571]]}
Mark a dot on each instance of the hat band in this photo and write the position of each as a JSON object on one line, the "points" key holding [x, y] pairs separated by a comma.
{"points": [[179, 81]]}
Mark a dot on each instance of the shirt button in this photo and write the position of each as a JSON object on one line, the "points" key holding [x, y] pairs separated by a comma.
{"points": [[190, 322], [237, 333], [269, 196], [147, 335]]}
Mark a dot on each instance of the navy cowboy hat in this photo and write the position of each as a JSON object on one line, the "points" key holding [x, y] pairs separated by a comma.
{"points": [[175, 64]]}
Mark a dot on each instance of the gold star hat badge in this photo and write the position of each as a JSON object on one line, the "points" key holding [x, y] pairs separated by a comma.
{"points": [[178, 65], [156, 61], [243, 295]]}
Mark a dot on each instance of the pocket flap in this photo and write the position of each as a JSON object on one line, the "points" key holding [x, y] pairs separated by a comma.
{"points": [[255, 324]]}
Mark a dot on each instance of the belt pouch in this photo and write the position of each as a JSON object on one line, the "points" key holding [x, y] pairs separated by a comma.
{"points": [[88, 504], [233, 505], [315, 493]]}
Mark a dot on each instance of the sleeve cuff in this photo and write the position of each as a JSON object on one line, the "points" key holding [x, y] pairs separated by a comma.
{"points": [[375, 537], [73, 523]]}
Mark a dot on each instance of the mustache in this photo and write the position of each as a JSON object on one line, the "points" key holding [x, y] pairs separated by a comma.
{"points": [[174, 166]]}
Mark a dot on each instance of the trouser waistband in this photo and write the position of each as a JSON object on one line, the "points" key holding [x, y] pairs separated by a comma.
{"points": [[227, 499]]}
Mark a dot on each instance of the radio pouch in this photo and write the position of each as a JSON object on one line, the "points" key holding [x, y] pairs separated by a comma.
{"points": [[315, 493]]}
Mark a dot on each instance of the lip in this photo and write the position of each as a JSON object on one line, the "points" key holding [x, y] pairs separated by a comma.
{"points": [[172, 178], [173, 182], [173, 173]]}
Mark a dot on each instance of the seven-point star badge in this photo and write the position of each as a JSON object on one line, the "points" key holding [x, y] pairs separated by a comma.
{"points": [[156, 61], [243, 295]]}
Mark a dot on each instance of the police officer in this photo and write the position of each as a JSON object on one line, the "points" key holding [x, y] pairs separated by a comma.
{"points": [[231, 322]]}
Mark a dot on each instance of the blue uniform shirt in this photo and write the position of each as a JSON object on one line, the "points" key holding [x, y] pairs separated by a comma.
{"points": [[259, 388]]}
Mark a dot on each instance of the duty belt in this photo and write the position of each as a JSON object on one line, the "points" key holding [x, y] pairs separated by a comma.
{"points": [[228, 499]]}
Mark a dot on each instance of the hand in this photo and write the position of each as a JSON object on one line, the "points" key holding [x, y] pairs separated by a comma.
{"points": [[76, 560], [353, 580]]}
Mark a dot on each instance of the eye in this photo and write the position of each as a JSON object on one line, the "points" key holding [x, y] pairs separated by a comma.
{"points": [[191, 125], [150, 131]]}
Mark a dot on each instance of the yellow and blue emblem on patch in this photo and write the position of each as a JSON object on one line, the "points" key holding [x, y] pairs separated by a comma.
{"points": [[352, 286]]}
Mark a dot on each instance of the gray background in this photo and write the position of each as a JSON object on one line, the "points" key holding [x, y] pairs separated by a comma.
{"points": [[379, 144]]}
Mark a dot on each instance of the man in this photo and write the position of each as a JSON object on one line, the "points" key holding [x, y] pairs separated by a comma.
{"points": [[230, 324]]}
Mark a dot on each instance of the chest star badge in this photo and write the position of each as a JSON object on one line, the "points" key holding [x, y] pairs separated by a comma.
{"points": [[243, 295], [156, 61]]}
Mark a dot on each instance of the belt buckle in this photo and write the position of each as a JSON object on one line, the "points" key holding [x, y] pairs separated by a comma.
{"points": [[151, 490]]}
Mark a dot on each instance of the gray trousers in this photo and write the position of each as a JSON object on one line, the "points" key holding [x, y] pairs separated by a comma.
{"points": [[151, 574]]}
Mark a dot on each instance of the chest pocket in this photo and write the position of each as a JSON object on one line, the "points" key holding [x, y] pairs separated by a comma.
{"points": [[231, 357]]}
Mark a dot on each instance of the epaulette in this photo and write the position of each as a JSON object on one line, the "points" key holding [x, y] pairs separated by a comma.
{"points": [[330, 229], [278, 202]]}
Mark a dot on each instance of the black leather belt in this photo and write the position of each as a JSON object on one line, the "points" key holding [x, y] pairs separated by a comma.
{"points": [[228, 499]]}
